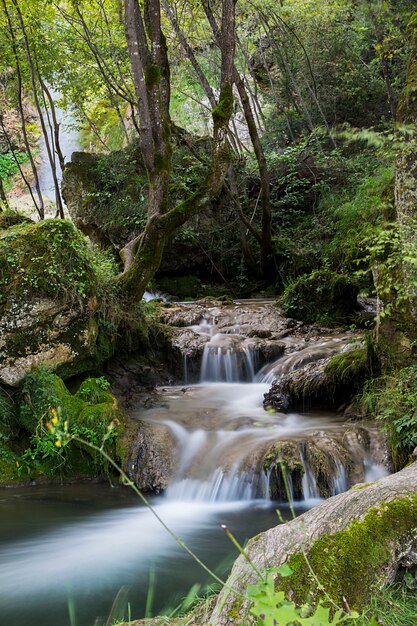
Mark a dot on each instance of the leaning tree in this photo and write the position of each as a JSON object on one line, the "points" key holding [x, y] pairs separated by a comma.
{"points": [[151, 75]]}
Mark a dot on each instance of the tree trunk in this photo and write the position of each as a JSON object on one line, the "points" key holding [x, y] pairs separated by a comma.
{"points": [[33, 74], [266, 238], [149, 61], [406, 187], [3, 198], [39, 205]]}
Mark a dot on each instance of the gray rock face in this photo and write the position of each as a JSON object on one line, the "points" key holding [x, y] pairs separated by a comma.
{"points": [[35, 331], [150, 459]]}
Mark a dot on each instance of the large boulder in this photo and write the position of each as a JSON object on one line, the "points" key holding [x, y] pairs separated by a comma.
{"points": [[354, 542], [324, 383], [48, 300]]}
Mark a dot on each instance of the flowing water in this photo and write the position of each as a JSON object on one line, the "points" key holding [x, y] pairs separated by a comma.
{"points": [[81, 546]]}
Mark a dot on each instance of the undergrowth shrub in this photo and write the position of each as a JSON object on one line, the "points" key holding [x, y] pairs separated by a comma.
{"points": [[392, 399], [91, 414]]}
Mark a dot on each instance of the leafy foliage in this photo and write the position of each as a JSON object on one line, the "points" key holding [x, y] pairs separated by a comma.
{"points": [[9, 164], [393, 401]]}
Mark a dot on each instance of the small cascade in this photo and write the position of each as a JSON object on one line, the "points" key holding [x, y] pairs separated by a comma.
{"points": [[309, 487], [149, 295], [224, 439], [205, 327], [222, 486], [227, 359], [340, 481], [185, 368]]}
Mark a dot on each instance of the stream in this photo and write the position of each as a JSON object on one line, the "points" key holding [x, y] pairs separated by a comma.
{"points": [[80, 547]]}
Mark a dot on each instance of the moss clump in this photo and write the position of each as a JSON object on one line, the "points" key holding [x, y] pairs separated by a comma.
{"points": [[283, 462], [323, 296], [152, 76], [234, 612], [50, 258], [351, 563], [346, 373], [41, 392], [224, 108], [95, 391], [407, 107], [11, 218]]}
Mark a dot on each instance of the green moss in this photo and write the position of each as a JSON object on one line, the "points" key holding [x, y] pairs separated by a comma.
{"points": [[224, 108], [152, 76], [234, 612], [363, 486], [43, 391], [351, 563], [283, 462], [323, 296], [95, 391], [350, 370], [162, 162], [50, 257]]}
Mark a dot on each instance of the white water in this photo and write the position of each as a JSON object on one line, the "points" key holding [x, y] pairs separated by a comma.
{"points": [[69, 142]]}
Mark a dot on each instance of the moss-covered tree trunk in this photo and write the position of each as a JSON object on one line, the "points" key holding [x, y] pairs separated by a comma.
{"points": [[150, 69], [406, 182], [398, 331]]}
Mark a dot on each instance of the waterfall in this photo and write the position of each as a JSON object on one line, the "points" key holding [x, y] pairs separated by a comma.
{"points": [[222, 433], [340, 479], [222, 486], [309, 485], [227, 359]]}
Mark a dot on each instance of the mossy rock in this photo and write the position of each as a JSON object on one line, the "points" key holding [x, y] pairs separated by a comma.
{"points": [[323, 297], [353, 562], [50, 258], [354, 543], [43, 391], [95, 391], [283, 463], [51, 286], [325, 383], [92, 416]]}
